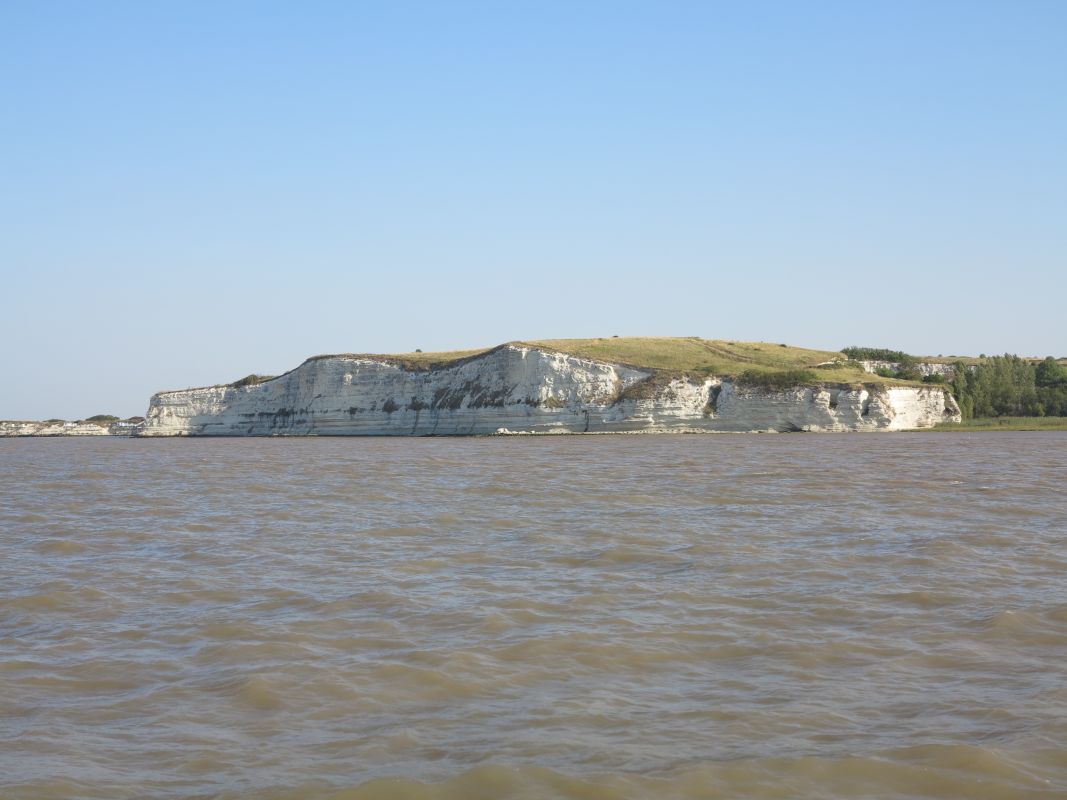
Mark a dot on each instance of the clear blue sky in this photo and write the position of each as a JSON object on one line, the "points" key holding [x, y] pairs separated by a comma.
{"points": [[190, 192]]}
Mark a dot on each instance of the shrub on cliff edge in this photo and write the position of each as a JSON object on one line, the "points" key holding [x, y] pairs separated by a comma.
{"points": [[251, 380], [876, 354], [778, 379]]}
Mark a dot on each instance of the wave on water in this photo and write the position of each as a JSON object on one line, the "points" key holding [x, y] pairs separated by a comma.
{"points": [[597, 617]]}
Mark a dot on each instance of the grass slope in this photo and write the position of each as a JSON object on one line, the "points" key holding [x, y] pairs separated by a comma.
{"points": [[700, 357], [677, 354], [673, 355], [414, 361]]}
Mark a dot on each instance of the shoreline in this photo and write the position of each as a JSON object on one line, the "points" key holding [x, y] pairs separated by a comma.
{"points": [[961, 428], [1004, 424]]}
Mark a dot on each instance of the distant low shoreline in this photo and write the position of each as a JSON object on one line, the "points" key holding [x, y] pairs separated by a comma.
{"points": [[101, 425], [1005, 424]]}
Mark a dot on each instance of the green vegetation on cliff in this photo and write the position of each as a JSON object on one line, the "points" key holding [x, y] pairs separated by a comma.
{"points": [[764, 363], [777, 379], [756, 363]]}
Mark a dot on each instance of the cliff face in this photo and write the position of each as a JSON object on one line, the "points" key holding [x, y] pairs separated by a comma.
{"points": [[518, 389]]}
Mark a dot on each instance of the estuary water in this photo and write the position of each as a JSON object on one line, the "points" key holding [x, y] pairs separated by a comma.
{"points": [[760, 616]]}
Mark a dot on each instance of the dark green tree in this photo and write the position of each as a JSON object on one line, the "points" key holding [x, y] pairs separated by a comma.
{"points": [[1050, 373]]}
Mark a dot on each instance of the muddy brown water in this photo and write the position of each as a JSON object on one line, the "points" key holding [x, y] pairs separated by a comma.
{"points": [[725, 616]]}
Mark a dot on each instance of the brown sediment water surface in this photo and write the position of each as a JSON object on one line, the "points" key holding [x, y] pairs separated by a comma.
{"points": [[779, 616]]}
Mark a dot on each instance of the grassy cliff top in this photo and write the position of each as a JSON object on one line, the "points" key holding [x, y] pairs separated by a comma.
{"points": [[414, 361], [666, 354], [689, 354], [702, 357]]}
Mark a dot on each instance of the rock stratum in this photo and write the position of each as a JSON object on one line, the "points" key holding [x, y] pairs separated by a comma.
{"points": [[521, 388]]}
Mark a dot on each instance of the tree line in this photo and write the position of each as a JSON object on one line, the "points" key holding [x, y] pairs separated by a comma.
{"points": [[1009, 386]]}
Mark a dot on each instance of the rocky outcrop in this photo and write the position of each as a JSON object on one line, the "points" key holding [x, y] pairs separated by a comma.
{"points": [[925, 368], [522, 389]]}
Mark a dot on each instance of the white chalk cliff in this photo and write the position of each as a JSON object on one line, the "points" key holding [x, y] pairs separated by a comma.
{"points": [[522, 389]]}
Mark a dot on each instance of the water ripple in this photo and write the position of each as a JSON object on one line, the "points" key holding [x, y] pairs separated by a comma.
{"points": [[608, 617]]}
